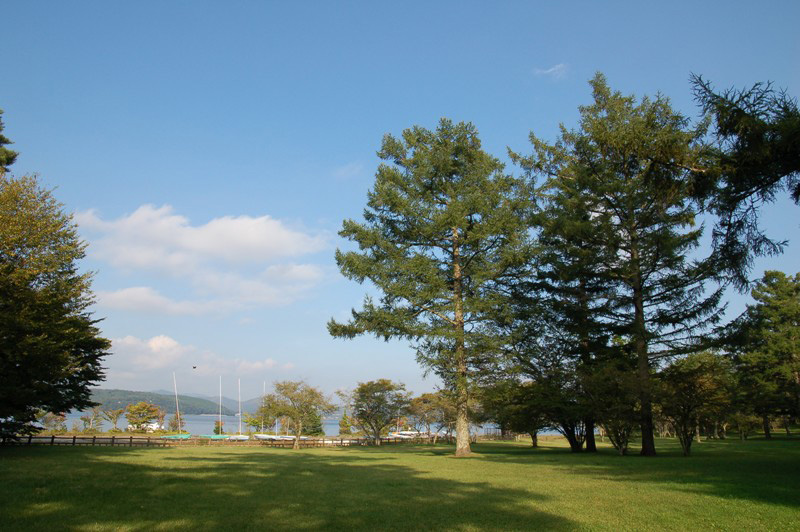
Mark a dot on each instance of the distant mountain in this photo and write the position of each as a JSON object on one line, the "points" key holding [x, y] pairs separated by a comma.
{"points": [[166, 401]]}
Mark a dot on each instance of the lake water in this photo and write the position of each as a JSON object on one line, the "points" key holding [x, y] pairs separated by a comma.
{"points": [[204, 424]]}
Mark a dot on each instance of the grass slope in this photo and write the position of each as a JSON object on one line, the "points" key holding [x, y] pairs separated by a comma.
{"points": [[726, 485]]}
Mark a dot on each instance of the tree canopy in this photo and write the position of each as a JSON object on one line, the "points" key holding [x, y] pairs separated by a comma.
{"points": [[302, 405], [377, 404], [7, 157], [50, 347], [444, 228], [766, 346], [756, 158], [619, 187]]}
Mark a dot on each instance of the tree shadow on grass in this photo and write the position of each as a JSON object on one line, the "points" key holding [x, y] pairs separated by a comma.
{"points": [[765, 471], [130, 489]]}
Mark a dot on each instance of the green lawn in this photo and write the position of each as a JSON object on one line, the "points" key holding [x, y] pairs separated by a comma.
{"points": [[729, 485]]}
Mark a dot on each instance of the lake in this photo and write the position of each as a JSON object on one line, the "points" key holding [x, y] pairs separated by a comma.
{"points": [[204, 423]]}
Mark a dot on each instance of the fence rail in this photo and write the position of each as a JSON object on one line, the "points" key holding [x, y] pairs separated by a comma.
{"points": [[112, 441], [149, 441]]}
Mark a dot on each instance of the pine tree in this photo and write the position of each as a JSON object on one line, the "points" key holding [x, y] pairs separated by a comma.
{"points": [[7, 157], [623, 177], [444, 228], [50, 347], [767, 347], [756, 158]]}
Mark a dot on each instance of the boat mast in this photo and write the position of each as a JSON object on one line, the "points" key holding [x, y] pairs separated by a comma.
{"points": [[177, 406], [240, 406], [220, 404], [263, 395]]}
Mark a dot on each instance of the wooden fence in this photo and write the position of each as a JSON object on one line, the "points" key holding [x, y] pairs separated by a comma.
{"points": [[149, 441], [113, 441]]}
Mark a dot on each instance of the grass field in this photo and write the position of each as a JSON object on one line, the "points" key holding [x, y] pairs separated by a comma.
{"points": [[725, 485]]}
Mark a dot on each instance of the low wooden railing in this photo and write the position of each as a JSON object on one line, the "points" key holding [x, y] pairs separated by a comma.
{"points": [[113, 441], [155, 441]]}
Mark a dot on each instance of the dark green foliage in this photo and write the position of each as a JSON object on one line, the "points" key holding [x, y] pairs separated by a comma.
{"points": [[515, 406], [766, 346], [301, 405], [612, 388], [50, 347], [626, 226], [757, 158], [314, 427], [689, 386], [7, 157], [378, 404], [443, 231]]}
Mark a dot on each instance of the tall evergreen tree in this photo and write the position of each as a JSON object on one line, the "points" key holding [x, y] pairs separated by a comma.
{"points": [[766, 347], [756, 158], [7, 157], [50, 348], [443, 230], [624, 172], [569, 264]]}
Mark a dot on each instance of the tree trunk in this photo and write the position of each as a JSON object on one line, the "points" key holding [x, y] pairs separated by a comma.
{"points": [[575, 444], [767, 428], [591, 445], [297, 436], [534, 438], [645, 398], [462, 430], [462, 416], [697, 432], [642, 362]]}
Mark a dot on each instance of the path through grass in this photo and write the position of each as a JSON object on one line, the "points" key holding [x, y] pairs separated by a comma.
{"points": [[730, 485]]}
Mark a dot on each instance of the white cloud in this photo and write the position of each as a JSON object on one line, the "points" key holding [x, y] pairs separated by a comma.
{"points": [[146, 364], [558, 71], [156, 353], [146, 299], [154, 238], [229, 263]]}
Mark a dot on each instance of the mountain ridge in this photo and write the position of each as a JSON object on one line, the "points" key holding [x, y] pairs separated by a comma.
{"points": [[116, 398]]}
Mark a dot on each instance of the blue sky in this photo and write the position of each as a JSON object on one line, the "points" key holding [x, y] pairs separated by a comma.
{"points": [[211, 150]]}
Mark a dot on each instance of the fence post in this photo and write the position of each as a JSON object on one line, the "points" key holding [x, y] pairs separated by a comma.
{"points": [[131, 442], [30, 438], [52, 439], [112, 441], [94, 439], [74, 438]]}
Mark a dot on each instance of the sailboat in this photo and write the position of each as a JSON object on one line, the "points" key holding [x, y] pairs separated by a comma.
{"points": [[262, 436], [180, 435], [219, 419], [239, 436]]}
